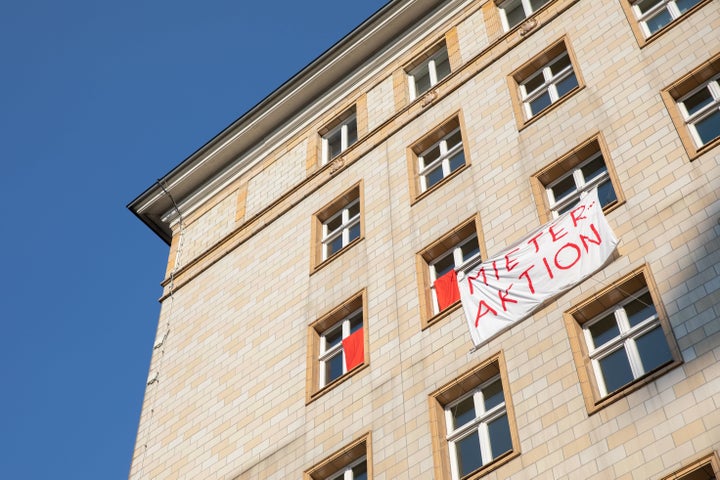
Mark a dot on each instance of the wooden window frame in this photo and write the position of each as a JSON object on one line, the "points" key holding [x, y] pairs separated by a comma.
{"points": [[414, 151], [437, 249], [710, 460], [426, 59], [673, 93], [321, 216], [338, 125], [642, 37], [571, 161], [593, 306], [314, 332], [452, 391], [535, 65], [342, 459]]}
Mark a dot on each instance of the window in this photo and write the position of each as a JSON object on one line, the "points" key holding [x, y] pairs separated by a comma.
{"points": [[651, 17], [437, 156], [544, 81], [474, 423], [458, 250], [694, 106], [625, 337], [350, 463], [566, 180], [429, 70], [513, 12], [338, 225], [337, 345], [340, 136], [707, 468]]}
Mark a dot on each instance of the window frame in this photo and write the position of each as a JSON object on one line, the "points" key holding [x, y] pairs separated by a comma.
{"points": [[419, 148], [337, 464], [449, 244], [321, 237], [596, 308], [642, 32], [444, 398], [673, 95], [540, 65], [316, 382], [526, 6], [570, 162], [427, 62], [340, 125], [710, 460]]}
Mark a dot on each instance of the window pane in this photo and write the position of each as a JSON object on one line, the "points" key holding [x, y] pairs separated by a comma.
{"points": [[334, 367], [434, 176], [560, 64], [430, 156], [697, 101], [354, 232], [493, 395], [334, 144], [443, 265], [457, 160], [334, 245], [606, 193], [645, 5], [514, 13], [540, 103], [653, 349], [593, 169], [708, 128], [442, 67], [604, 330], [356, 322], [684, 5], [536, 4], [563, 188], [566, 84], [334, 223], [463, 412], [468, 452], [470, 248], [640, 309], [454, 139], [534, 82], [353, 209], [360, 471], [500, 440], [658, 21], [616, 370], [333, 337], [422, 81]]}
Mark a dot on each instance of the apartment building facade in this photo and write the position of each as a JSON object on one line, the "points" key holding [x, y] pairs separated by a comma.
{"points": [[306, 331]]}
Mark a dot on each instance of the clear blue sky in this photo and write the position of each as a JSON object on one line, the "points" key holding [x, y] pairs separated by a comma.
{"points": [[99, 99]]}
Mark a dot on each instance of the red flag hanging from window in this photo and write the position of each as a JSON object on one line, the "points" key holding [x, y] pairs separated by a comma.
{"points": [[446, 289], [354, 347]]}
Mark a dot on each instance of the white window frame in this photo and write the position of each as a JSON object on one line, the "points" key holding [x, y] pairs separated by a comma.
{"points": [[430, 66], [346, 473], [527, 9], [461, 264], [713, 86], [625, 339], [479, 424], [549, 84], [343, 230], [443, 160], [344, 130], [582, 186], [328, 353], [669, 5]]}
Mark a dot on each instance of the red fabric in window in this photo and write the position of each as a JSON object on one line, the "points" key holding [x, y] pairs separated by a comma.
{"points": [[354, 347], [446, 290]]}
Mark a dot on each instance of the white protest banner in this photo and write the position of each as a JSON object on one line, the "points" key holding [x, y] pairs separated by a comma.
{"points": [[510, 286]]}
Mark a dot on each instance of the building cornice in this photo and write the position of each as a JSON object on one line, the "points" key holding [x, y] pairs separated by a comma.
{"points": [[311, 91]]}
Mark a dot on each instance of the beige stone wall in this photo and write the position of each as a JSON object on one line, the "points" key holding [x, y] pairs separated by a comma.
{"points": [[230, 399]]}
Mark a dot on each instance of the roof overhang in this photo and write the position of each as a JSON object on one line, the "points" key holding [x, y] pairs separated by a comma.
{"points": [[156, 204]]}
